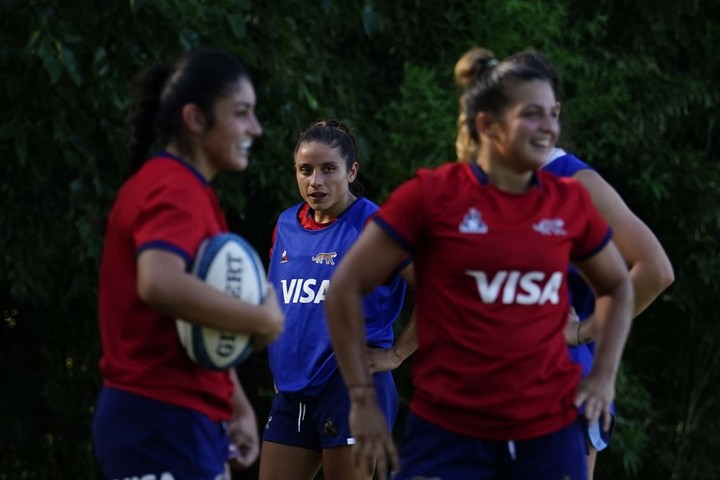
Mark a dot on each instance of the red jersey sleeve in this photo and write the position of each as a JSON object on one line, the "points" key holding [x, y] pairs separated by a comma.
{"points": [[172, 217], [401, 215], [596, 232]]}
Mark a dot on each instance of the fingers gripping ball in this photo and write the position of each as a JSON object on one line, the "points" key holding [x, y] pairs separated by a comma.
{"points": [[229, 263]]}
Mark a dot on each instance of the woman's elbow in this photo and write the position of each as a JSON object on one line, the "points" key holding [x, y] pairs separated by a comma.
{"points": [[664, 274], [151, 290], [146, 291], [667, 276]]}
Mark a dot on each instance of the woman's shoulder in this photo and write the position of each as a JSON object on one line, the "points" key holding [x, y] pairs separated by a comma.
{"points": [[449, 171], [366, 204], [361, 209], [169, 172], [567, 186], [564, 164]]}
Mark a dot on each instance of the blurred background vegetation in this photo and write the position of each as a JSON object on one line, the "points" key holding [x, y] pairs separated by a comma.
{"points": [[640, 104]]}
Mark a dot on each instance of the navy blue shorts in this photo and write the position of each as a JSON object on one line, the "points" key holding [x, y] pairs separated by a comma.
{"points": [[321, 421], [431, 452], [138, 437]]}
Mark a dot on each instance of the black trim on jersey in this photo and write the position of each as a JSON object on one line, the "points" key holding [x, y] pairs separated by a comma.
{"points": [[184, 163], [603, 243], [392, 233], [166, 246], [483, 178]]}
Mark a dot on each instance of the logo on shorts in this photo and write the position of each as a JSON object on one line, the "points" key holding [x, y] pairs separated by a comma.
{"points": [[267, 424], [329, 429]]}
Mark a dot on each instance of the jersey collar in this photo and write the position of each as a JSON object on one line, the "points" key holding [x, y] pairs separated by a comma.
{"points": [[482, 177], [186, 164]]}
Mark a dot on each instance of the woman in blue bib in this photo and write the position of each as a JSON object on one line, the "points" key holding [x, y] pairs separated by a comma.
{"points": [[308, 423]]}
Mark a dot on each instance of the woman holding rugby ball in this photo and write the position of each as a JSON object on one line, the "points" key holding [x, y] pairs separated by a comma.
{"points": [[159, 415]]}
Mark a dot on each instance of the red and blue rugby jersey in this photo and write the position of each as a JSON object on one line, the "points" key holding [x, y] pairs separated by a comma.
{"points": [[491, 297], [166, 205], [301, 264]]}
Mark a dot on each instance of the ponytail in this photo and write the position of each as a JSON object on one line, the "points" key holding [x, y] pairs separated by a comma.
{"points": [[149, 87], [201, 77], [466, 68]]}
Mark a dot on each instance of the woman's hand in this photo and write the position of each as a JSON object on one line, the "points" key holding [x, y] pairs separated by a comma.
{"points": [[244, 441], [571, 328], [275, 323], [373, 441], [597, 392], [383, 359], [242, 428]]}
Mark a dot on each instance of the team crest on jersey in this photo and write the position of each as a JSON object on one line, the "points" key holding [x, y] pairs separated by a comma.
{"points": [[473, 223], [551, 226], [328, 258], [284, 257]]}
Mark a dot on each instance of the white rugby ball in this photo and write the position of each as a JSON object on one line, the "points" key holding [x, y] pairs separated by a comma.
{"points": [[229, 263]]}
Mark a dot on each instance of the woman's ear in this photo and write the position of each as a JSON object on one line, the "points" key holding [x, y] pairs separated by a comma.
{"points": [[193, 118], [484, 125], [352, 173]]}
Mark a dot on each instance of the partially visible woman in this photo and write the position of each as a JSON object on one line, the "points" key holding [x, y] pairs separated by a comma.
{"points": [[159, 415], [650, 269], [495, 392], [308, 424]]}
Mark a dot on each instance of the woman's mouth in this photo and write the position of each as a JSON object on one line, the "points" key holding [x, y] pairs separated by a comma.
{"points": [[245, 145]]}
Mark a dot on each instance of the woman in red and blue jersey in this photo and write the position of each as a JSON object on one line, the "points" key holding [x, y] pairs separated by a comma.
{"points": [[648, 264], [159, 415], [308, 422], [496, 395]]}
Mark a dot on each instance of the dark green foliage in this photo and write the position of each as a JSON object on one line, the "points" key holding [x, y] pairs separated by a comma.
{"points": [[640, 103]]}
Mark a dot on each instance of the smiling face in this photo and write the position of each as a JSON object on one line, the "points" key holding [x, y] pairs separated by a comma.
{"points": [[323, 179], [528, 127], [225, 145]]}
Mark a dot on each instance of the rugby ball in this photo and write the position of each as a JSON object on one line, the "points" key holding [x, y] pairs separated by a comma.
{"points": [[229, 263]]}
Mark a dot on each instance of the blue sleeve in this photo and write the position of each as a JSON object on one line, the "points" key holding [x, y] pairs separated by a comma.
{"points": [[566, 166]]}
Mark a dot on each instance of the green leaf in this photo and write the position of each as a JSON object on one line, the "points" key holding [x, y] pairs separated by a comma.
{"points": [[68, 59], [237, 25], [369, 19]]}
